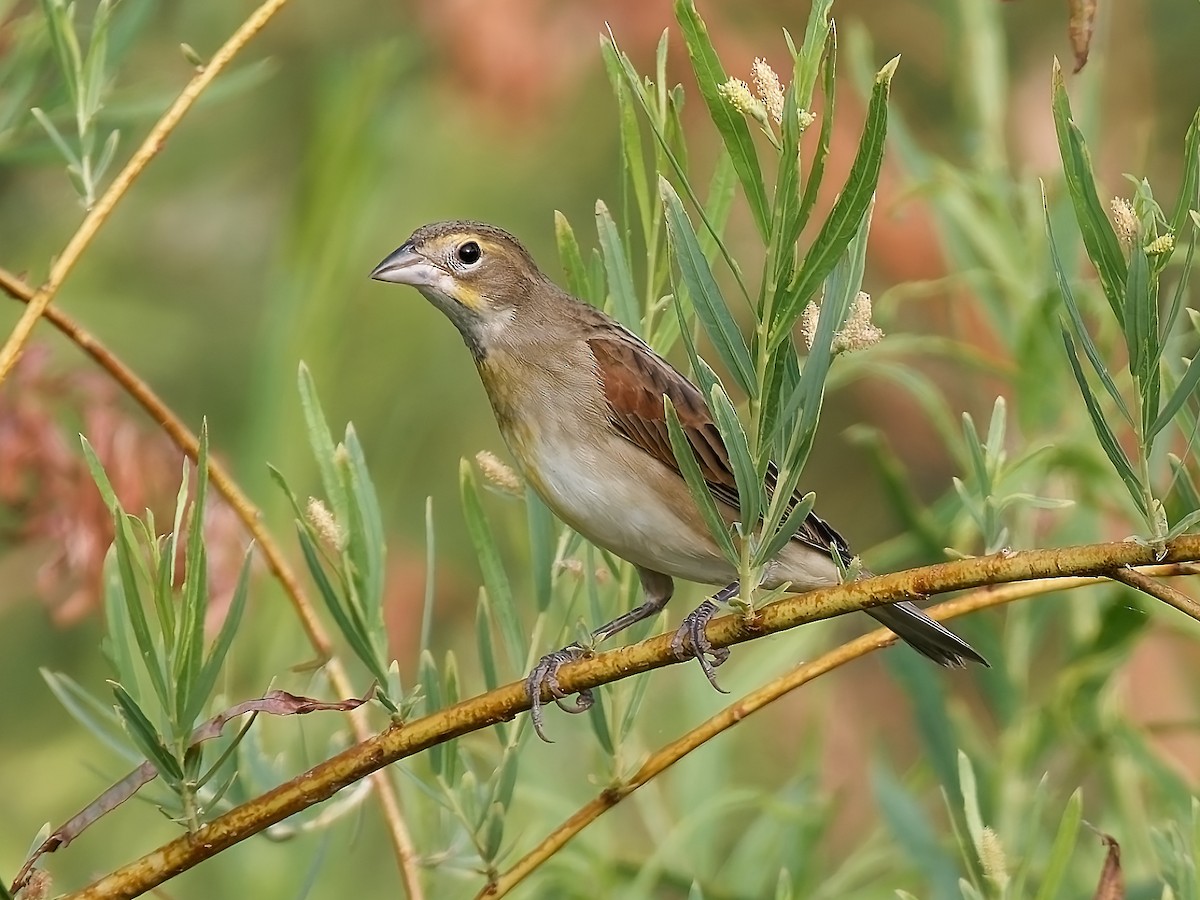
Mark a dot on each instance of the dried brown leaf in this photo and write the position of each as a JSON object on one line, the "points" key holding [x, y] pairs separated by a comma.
{"points": [[1080, 27], [275, 703], [1112, 880]]}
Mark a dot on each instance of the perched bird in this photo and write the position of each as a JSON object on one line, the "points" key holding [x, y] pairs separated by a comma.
{"points": [[579, 401]]}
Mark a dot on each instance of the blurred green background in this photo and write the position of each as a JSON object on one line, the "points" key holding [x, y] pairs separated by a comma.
{"points": [[245, 248]]}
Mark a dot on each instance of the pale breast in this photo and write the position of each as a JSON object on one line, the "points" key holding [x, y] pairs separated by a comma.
{"points": [[604, 487], [623, 501]]}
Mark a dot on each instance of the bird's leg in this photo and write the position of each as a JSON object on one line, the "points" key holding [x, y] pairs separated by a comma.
{"points": [[691, 640], [544, 677]]}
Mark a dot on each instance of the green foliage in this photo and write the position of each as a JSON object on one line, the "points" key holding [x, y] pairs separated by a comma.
{"points": [[1130, 282], [164, 676], [715, 267], [346, 537]]}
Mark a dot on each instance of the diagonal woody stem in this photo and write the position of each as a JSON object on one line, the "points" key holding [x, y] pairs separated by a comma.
{"points": [[98, 214], [1146, 584]]}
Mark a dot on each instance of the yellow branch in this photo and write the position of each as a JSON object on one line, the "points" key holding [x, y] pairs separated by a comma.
{"points": [[400, 741], [667, 756]]}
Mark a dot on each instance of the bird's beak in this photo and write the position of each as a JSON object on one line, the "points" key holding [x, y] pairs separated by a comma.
{"points": [[406, 266]]}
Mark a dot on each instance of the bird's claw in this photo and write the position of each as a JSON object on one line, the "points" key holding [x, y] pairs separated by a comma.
{"points": [[544, 678], [691, 641]]}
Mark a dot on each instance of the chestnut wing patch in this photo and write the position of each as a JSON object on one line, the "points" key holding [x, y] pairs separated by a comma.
{"points": [[635, 380]]}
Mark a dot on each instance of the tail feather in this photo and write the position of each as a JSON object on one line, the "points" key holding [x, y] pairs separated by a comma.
{"points": [[926, 636]]}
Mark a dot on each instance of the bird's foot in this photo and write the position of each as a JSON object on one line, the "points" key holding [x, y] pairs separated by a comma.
{"points": [[691, 641], [544, 677]]}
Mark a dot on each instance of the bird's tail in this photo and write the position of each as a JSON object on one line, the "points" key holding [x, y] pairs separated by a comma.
{"points": [[925, 635]]}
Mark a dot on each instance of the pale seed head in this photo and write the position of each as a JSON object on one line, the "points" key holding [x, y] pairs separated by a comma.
{"points": [[991, 855], [1161, 245], [1125, 220], [859, 332], [325, 525], [497, 473], [768, 88], [737, 94]]}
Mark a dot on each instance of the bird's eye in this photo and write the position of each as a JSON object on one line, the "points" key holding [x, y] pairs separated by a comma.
{"points": [[469, 253]]}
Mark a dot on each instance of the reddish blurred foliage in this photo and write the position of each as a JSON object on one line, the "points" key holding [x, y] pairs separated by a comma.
{"points": [[520, 56], [48, 498]]}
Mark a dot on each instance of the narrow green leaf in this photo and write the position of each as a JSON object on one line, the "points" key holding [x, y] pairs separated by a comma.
{"points": [[841, 289], [321, 441], [1102, 246], [749, 485], [1189, 493], [633, 160], [792, 522], [1108, 440], [541, 548], [710, 306], [1185, 273], [135, 611], [430, 575], [56, 138], [483, 642], [817, 169], [927, 694], [282, 484], [970, 792], [598, 717], [995, 437], [808, 60], [506, 777], [189, 652], [60, 26], [785, 213], [366, 547], [207, 678], [144, 736], [1185, 390], [353, 631], [570, 258], [117, 645], [97, 717], [632, 707], [99, 475], [94, 79], [495, 578], [669, 155], [731, 124], [1060, 851], [721, 191], [910, 826], [975, 454], [1085, 338], [1184, 525], [846, 217], [492, 831], [702, 371], [626, 307], [685, 456], [1189, 188], [782, 379], [431, 687], [1141, 335]]}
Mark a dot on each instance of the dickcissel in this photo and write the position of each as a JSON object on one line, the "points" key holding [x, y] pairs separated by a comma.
{"points": [[579, 401]]}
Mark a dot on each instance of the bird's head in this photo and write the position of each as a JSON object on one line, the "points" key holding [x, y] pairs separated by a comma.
{"points": [[477, 274]]}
